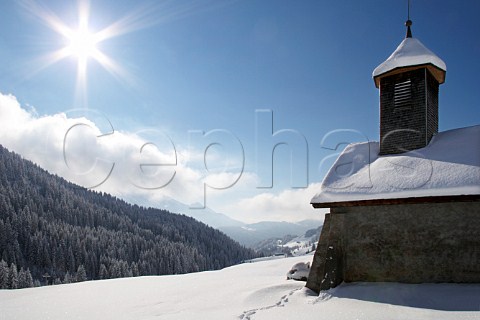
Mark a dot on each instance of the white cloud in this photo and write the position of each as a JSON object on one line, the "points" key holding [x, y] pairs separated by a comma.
{"points": [[288, 205], [117, 162], [83, 147]]}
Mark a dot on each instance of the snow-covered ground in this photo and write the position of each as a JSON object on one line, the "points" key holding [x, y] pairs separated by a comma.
{"points": [[248, 291], [301, 245]]}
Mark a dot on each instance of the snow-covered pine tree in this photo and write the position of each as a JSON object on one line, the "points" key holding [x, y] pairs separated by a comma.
{"points": [[67, 278], [81, 274], [22, 279], [4, 275], [13, 277], [103, 273]]}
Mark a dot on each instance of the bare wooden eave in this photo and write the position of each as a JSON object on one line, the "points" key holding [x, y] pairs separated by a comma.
{"points": [[437, 73], [412, 200]]}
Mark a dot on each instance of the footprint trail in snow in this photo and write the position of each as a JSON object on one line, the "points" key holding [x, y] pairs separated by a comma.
{"points": [[247, 315]]}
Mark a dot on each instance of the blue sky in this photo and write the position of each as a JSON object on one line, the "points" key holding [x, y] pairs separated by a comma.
{"points": [[212, 65]]}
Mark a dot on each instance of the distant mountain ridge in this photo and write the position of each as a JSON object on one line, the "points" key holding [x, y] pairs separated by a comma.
{"points": [[208, 216], [247, 234], [61, 232], [290, 245], [251, 235]]}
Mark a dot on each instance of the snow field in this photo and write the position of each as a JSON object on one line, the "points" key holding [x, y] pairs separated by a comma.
{"points": [[248, 291]]}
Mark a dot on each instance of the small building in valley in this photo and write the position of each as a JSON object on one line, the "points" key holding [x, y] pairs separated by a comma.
{"points": [[407, 208]]}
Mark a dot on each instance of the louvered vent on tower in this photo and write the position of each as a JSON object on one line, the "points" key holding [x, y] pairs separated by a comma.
{"points": [[403, 95]]}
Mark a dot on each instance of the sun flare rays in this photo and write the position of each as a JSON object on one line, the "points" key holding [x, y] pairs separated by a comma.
{"points": [[83, 44]]}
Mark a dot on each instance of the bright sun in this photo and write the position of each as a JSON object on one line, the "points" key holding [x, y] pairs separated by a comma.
{"points": [[82, 44]]}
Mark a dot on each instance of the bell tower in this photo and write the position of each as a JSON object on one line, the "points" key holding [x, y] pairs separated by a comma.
{"points": [[408, 81]]}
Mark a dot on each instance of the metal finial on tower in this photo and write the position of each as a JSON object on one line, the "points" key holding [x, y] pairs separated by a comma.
{"points": [[409, 22]]}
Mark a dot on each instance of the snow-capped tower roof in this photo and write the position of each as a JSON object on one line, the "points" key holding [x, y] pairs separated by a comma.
{"points": [[411, 54]]}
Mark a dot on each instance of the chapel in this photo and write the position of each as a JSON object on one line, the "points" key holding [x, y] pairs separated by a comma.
{"points": [[407, 208]]}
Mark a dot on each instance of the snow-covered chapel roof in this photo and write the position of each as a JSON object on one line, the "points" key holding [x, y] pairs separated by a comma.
{"points": [[411, 53], [448, 166]]}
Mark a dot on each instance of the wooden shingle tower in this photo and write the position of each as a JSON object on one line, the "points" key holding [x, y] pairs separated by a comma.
{"points": [[408, 80]]}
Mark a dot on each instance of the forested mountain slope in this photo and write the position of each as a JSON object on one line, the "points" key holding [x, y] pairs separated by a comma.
{"points": [[50, 227]]}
